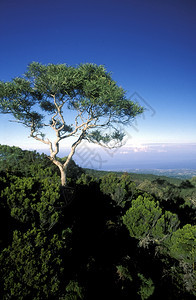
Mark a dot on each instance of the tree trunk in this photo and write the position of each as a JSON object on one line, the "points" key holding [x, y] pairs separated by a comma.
{"points": [[63, 167], [63, 177], [63, 171]]}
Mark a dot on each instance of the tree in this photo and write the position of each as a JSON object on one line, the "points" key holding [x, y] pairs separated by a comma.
{"points": [[182, 247], [120, 189], [46, 94], [146, 221]]}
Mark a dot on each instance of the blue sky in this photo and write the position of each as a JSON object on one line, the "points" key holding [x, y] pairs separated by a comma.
{"points": [[149, 46]]}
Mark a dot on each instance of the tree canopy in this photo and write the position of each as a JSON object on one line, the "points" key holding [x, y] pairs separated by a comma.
{"points": [[43, 97]]}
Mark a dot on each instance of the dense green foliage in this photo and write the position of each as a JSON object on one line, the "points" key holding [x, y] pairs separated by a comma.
{"points": [[100, 237], [32, 265], [26, 163], [147, 222]]}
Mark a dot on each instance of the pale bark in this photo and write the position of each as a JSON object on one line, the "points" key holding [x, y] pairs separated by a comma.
{"points": [[63, 176], [81, 126], [64, 166]]}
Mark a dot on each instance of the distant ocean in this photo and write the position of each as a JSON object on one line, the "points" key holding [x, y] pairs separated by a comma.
{"points": [[138, 161], [118, 160], [150, 165]]}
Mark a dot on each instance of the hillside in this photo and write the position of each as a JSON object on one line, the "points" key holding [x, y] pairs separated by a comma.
{"points": [[105, 235], [138, 178]]}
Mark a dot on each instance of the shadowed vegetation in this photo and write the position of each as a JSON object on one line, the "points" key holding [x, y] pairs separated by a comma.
{"points": [[105, 236]]}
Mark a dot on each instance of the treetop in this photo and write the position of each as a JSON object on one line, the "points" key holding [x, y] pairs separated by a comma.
{"points": [[81, 87]]}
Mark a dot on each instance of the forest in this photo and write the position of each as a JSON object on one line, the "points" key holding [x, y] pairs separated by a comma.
{"points": [[103, 236]]}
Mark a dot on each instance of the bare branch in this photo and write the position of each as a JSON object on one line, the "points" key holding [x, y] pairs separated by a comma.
{"points": [[58, 107], [73, 148]]}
